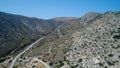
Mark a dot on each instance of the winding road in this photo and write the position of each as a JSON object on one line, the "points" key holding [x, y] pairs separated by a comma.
{"points": [[30, 46]]}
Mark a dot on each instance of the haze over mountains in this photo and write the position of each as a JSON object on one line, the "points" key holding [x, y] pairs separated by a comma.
{"points": [[90, 41]]}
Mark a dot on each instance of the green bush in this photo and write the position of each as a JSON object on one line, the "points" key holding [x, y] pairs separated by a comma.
{"points": [[105, 67], [110, 55], [80, 60], [116, 37], [60, 64], [111, 62], [101, 64], [15, 67]]}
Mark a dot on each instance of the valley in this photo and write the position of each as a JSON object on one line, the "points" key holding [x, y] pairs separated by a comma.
{"points": [[91, 41]]}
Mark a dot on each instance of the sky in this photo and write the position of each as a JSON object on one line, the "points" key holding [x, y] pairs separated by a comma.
{"points": [[47, 9]]}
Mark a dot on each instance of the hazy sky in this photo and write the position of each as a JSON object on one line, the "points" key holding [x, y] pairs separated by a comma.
{"points": [[57, 8]]}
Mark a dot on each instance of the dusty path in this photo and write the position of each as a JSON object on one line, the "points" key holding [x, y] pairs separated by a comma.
{"points": [[30, 46]]}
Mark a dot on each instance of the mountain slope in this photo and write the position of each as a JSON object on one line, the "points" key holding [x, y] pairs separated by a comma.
{"points": [[92, 41], [93, 45], [18, 31]]}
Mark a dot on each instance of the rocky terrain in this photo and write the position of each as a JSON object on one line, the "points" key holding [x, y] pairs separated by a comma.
{"points": [[92, 41], [83, 44], [95, 45]]}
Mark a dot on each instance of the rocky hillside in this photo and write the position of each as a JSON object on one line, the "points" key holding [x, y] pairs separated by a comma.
{"points": [[97, 45], [91, 41]]}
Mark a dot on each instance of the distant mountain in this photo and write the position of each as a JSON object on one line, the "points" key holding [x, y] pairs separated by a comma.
{"points": [[64, 18], [18, 31], [89, 16]]}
